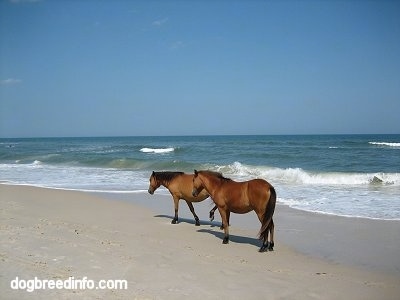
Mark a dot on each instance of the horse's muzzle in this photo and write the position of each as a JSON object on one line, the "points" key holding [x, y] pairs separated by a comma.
{"points": [[151, 192], [195, 193]]}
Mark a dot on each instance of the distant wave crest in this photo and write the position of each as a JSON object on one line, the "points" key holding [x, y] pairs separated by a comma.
{"points": [[157, 150], [385, 144]]}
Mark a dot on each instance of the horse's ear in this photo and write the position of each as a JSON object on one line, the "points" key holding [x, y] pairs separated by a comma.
{"points": [[152, 174], [195, 172]]}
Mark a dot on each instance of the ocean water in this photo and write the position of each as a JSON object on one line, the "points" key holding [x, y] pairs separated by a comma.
{"points": [[347, 175]]}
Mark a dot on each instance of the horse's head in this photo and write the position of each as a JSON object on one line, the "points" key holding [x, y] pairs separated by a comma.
{"points": [[197, 184], [206, 180], [154, 183]]}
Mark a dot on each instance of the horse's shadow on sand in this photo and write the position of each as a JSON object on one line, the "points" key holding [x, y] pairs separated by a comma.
{"points": [[233, 238], [190, 221], [216, 231]]}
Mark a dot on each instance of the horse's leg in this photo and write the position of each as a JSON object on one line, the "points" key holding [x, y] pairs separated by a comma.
{"points": [[265, 244], [212, 213], [212, 216], [176, 205], [196, 218], [224, 216], [271, 230]]}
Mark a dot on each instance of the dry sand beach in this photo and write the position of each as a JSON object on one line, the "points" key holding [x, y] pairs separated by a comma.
{"points": [[56, 234]]}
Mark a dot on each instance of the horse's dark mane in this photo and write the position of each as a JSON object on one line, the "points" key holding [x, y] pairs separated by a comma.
{"points": [[167, 176], [218, 175]]}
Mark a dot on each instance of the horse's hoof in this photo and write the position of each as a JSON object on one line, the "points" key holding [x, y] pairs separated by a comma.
{"points": [[226, 240], [197, 224], [174, 221], [264, 247], [271, 246]]}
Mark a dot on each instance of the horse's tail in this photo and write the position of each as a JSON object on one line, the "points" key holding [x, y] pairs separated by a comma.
{"points": [[268, 213]]}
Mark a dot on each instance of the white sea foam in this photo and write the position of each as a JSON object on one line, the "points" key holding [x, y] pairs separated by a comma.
{"points": [[157, 150], [337, 203], [76, 178], [364, 195], [385, 144], [345, 194]]}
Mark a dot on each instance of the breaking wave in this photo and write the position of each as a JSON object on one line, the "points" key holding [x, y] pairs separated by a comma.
{"points": [[385, 144], [300, 176]]}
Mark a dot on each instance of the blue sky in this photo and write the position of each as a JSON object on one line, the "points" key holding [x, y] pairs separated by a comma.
{"points": [[100, 68]]}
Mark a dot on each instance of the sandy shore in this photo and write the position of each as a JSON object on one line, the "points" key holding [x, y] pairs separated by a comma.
{"points": [[54, 234]]}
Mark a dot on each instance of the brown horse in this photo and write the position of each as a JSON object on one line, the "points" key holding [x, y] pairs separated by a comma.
{"points": [[180, 186], [240, 197]]}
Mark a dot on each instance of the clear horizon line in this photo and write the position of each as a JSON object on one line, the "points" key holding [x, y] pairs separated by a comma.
{"points": [[198, 135]]}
